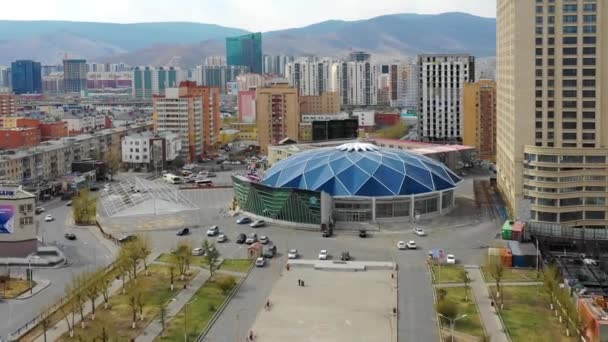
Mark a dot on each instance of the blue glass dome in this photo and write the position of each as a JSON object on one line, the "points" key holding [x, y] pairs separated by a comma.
{"points": [[361, 169]]}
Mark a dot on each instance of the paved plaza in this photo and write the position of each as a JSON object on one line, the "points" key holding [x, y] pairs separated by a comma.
{"points": [[343, 306]]}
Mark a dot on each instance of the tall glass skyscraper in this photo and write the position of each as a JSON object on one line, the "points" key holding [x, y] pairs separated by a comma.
{"points": [[245, 50], [26, 77]]}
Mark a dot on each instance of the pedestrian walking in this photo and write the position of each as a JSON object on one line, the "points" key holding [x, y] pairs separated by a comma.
{"points": [[302, 283]]}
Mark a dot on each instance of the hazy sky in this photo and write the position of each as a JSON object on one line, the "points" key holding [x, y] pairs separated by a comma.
{"points": [[254, 15]]}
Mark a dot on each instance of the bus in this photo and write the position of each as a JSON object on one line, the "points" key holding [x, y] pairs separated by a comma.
{"points": [[171, 178]]}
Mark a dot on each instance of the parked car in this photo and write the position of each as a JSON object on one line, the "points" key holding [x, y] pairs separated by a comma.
{"points": [[419, 231], [70, 236], [39, 210], [264, 239], [183, 231], [241, 238], [450, 259], [243, 220], [292, 254], [48, 218], [401, 245], [252, 239], [198, 251], [411, 244], [323, 254], [213, 231], [362, 234], [269, 250], [258, 224], [345, 256], [222, 238], [260, 262]]}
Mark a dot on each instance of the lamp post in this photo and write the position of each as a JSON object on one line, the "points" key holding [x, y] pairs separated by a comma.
{"points": [[31, 275], [186, 319], [452, 323]]}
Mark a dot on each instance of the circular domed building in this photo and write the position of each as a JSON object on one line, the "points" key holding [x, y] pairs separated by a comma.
{"points": [[352, 182]]}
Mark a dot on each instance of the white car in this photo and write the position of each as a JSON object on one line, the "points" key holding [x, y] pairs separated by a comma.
{"points": [[48, 218], [253, 238], [197, 251], [450, 259], [264, 240], [419, 232], [323, 254], [221, 238], [401, 245], [260, 262], [411, 245], [213, 231], [258, 224], [292, 254]]}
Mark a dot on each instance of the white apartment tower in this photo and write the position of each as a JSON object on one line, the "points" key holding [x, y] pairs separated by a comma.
{"points": [[441, 84], [311, 78], [356, 82]]}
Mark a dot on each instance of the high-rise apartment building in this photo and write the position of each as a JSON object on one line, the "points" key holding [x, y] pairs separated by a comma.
{"points": [[552, 130], [215, 61], [356, 82], [193, 112], [359, 56], [410, 86], [26, 77], [479, 103], [310, 77], [248, 81], [74, 75], [246, 51], [277, 114], [441, 83], [218, 75], [150, 81], [8, 104], [326, 103]]}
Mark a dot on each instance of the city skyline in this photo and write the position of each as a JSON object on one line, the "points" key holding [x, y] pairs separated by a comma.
{"points": [[274, 16]]}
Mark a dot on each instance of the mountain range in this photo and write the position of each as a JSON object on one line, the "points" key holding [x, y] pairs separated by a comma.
{"points": [[186, 44]]}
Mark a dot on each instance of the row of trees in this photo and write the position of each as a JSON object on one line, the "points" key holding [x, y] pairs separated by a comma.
{"points": [[561, 303]]}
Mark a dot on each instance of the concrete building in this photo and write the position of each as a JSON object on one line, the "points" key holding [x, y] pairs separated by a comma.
{"points": [[246, 106], [248, 81], [53, 83], [215, 60], [479, 103], [275, 64], [192, 112], [367, 118], [79, 123], [18, 226], [359, 56], [149, 81], [356, 83], [552, 136], [74, 75], [150, 150], [53, 130], [19, 137], [441, 83], [8, 104], [309, 118], [277, 114], [26, 77], [218, 75], [410, 86], [109, 80], [312, 78], [325, 103], [247, 131]]}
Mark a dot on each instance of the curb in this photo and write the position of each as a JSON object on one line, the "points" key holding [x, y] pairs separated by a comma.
{"points": [[219, 311], [439, 328], [45, 283]]}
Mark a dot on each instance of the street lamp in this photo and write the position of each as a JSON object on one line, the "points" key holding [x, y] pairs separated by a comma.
{"points": [[186, 319], [452, 323], [31, 275]]}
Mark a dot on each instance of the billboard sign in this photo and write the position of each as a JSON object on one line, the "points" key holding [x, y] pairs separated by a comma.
{"points": [[7, 215]]}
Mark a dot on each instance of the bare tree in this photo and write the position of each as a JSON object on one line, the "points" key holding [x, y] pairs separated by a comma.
{"points": [[45, 320], [183, 257], [93, 288], [130, 252], [80, 298], [172, 274], [144, 251], [464, 278], [212, 256], [496, 269], [133, 294], [104, 289], [139, 299]]}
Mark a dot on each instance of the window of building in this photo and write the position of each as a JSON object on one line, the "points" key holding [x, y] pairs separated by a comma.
{"points": [[569, 51], [569, 125], [569, 8], [570, 19], [569, 136], [569, 93], [589, 51], [547, 217], [588, 115], [571, 216], [569, 40], [589, 7], [569, 83], [589, 18], [595, 215], [569, 115], [568, 202], [569, 72]]}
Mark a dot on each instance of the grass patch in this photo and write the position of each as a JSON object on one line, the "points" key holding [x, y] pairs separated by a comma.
{"points": [[471, 324], [205, 302], [117, 320], [513, 274], [12, 288], [446, 274], [237, 265], [527, 316]]}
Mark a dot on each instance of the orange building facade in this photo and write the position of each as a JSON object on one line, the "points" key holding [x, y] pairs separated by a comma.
{"points": [[19, 137]]}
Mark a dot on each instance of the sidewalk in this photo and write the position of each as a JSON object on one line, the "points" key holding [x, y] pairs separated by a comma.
{"points": [[155, 327], [41, 284], [487, 313]]}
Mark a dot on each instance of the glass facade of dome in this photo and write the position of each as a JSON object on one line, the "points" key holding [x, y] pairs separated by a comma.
{"points": [[361, 169]]}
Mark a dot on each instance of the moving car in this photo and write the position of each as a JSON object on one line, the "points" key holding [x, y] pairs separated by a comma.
{"points": [[345, 256], [323, 254], [48, 218], [401, 245], [264, 239], [183, 231], [411, 244], [252, 239], [243, 220], [197, 251], [450, 259], [362, 234], [68, 203], [269, 251], [292, 254], [419, 231], [213, 231], [241, 238], [258, 224], [260, 262], [127, 238], [70, 236], [39, 210], [222, 238]]}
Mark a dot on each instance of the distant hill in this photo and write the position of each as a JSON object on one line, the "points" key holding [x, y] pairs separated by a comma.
{"points": [[386, 37]]}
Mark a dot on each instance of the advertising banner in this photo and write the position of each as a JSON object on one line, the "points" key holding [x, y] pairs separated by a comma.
{"points": [[7, 215]]}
